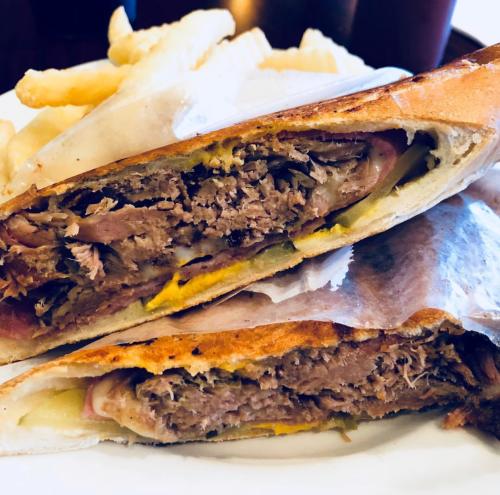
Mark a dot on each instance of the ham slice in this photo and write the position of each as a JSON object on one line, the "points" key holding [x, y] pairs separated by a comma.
{"points": [[117, 225], [17, 321]]}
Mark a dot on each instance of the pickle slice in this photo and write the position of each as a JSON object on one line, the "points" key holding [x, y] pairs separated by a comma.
{"points": [[58, 408], [407, 162]]}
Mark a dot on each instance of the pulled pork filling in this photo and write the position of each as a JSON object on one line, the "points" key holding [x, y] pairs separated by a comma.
{"points": [[114, 240], [312, 387]]}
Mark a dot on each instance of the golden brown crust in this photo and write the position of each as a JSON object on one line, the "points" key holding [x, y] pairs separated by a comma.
{"points": [[199, 352], [466, 91], [208, 350]]}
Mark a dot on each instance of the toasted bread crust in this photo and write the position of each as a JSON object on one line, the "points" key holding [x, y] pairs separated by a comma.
{"points": [[198, 352]]}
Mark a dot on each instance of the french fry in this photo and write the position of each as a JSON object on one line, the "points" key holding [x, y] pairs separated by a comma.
{"points": [[313, 39], [134, 46], [48, 124], [7, 130], [304, 59], [314, 54], [245, 51], [177, 50], [119, 25], [181, 47], [77, 86]]}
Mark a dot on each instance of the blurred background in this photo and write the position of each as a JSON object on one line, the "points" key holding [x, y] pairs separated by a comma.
{"points": [[413, 34]]}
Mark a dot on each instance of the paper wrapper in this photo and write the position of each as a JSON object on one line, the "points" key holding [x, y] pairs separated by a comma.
{"points": [[446, 258]]}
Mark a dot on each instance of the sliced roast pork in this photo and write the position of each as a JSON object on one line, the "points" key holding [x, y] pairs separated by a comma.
{"points": [[118, 239], [308, 388]]}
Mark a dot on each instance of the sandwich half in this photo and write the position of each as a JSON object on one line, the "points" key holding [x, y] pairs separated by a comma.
{"points": [[272, 380], [179, 226]]}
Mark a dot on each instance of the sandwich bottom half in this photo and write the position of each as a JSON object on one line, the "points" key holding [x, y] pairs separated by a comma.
{"points": [[272, 380], [306, 388]]}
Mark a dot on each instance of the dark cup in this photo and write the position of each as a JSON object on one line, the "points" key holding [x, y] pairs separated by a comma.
{"points": [[406, 33], [77, 19], [283, 21]]}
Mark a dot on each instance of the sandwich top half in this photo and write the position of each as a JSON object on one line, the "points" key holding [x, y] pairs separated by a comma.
{"points": [[270, 380], [182, 225]]}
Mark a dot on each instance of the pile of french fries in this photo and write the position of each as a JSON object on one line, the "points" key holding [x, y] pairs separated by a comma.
{"points": [[138, 58]]}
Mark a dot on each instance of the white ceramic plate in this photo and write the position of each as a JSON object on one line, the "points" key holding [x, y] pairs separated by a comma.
{"points": [[408, 454]]}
